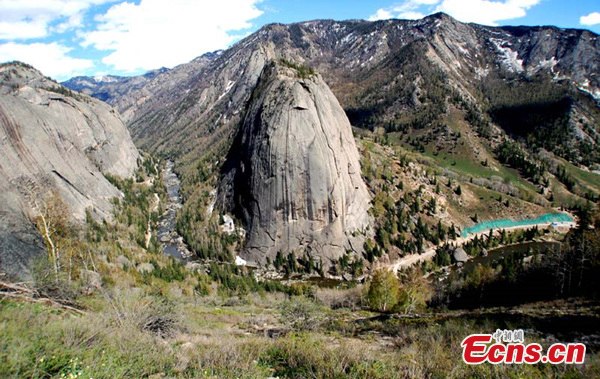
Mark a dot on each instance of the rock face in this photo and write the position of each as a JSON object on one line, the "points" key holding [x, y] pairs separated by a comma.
{"points": [[293, 173], [53, 141]]}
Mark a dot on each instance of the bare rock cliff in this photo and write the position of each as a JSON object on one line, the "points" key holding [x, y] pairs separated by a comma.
{"points": [[293, 173], [53, 141]]}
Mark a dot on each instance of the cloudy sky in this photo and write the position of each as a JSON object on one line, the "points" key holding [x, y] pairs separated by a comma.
{"points": [[64, 38]]}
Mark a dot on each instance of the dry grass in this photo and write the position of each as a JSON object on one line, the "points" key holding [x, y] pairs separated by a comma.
{"points": [[334, 298], [206, 338]]}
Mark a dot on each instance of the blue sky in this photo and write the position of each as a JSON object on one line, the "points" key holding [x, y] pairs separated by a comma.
{"points": [[64, 38]]}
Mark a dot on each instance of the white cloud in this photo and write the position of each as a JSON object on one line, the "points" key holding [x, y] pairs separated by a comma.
{"points": [[159, 33], [27, 19], [50, 58], [487, 12], [484, 11], [22, 29], [406, 10], [411, 15], [381, 14], [73, 22], [590, 19]]}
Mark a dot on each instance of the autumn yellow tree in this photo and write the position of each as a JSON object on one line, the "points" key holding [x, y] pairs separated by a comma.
{"points": [[52, 221], [415, 290], [383, 291]]}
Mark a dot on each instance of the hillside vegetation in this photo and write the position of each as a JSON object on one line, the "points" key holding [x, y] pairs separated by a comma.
{"points": [[128, 311]]}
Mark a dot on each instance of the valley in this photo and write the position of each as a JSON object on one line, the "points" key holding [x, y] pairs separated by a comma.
{"points": [[172, 242]]}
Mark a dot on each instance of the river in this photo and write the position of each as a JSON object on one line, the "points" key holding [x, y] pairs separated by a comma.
{"points": [[171, 241], [505, 223]]}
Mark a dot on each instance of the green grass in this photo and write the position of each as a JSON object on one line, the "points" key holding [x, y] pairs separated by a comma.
{"points": [[39, 342], [466, 166], [589, 179], [462, 163]]}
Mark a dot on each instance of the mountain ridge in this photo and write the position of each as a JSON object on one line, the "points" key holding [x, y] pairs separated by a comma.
{"points": [[436, 16]]}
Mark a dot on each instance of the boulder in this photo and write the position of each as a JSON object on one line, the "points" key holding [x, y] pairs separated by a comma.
{"points": [[460, 255], [90, 279], [293, 173], [123, 262]]}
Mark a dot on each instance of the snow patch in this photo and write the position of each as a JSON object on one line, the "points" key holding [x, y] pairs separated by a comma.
{"points": [[337, 27], [545, 64], [347, 39], [509, 58], [549, 63], [482, 72], [228, 87], [104, 79], [463, 50], [213, 201], [228, 226], [593, 92], [239, 261]]}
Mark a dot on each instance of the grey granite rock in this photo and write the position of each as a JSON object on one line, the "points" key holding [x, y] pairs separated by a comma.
{"points": [[293, 173], [53, 141], [460, 255], [144, 268]]}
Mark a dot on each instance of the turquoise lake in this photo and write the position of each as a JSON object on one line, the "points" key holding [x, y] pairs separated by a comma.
{"points": [[507, 223]]}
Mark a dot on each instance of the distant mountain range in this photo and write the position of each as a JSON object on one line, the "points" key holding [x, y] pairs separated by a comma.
{"points": [[391, 73], [108, 87]]}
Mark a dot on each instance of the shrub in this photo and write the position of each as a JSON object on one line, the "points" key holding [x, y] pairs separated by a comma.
{"points": [[300, 313], [310, 356], [340, 298], [303, 71]]}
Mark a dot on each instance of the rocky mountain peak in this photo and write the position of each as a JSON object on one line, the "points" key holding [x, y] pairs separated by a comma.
{"points": [[293, 173], [15, 75]]}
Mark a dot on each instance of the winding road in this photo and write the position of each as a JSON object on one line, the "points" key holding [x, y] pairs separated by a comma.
{"points": [[412, 259]]}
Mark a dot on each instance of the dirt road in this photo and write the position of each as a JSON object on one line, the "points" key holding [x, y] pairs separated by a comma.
{"points": [[412, 259]]}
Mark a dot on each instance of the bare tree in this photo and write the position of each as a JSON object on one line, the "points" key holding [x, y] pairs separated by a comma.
{"points": [[52, 220]]}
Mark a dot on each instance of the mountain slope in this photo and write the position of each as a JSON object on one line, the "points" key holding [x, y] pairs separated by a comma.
{"points": [[389, 73], [58, 142], [493, 112], [130, 92]]}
